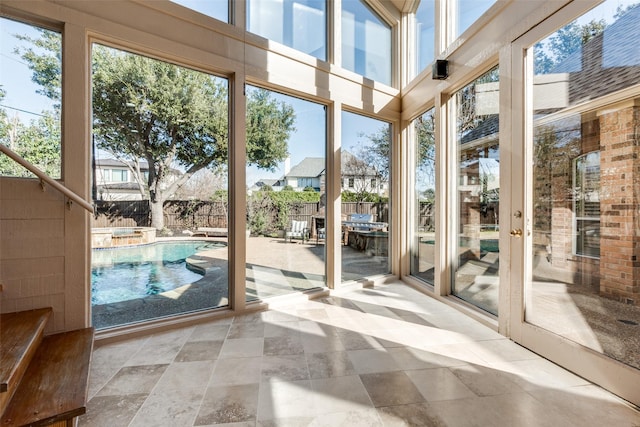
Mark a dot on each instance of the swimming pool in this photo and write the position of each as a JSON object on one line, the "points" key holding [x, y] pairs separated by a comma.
{"points": [[125, 273]]}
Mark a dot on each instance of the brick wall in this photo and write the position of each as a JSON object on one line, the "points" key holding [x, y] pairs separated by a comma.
{"points": [[620, 177]]}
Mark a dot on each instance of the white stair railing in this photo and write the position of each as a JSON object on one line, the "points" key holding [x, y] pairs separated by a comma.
{"points": [[44, 178]]}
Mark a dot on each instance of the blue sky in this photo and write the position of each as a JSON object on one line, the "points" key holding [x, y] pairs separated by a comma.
{"points": [[218, 9], [309, 138], [15, 76]]}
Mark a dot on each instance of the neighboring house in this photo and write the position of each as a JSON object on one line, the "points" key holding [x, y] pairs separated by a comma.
{"points": [[114, 180], [310, 172], [357, 176]]}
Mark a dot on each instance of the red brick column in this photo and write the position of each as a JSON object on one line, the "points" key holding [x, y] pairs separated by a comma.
{"points": [[619, 182]]}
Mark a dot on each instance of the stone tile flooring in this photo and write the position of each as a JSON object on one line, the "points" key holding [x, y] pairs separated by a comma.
{"points": [[383, 356]]}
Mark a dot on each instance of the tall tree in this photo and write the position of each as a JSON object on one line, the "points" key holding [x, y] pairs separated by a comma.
{"points": [[425, 128], [376, 153], [44, 57], [172, 118], [358, 170]]}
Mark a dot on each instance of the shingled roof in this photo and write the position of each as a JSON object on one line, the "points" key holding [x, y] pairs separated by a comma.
{"points": [[308, 167], [606, 63]]}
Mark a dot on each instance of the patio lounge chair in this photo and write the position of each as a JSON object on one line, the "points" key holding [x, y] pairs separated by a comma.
{"points": [[297, 230]]}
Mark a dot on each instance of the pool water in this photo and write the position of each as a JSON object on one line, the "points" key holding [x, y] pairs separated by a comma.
{"points": [[125, 273]]}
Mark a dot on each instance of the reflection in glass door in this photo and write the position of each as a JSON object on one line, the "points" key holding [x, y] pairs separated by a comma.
{"points": [[478, 192], [585, 242]]}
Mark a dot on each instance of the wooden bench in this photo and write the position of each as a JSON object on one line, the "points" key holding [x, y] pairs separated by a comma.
{"points": [[212, 232], [52, 389]]}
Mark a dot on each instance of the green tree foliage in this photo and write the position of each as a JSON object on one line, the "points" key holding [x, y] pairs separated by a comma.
{"points": [[270, 211], [44, 58], [363, 196], [295, 196], [425, 134], [269, 125], [169, 116], [429, 195], [37, 142], [5, 126]]}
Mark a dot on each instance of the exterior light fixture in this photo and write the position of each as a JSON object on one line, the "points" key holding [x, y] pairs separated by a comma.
{"points": [[440, 70]]}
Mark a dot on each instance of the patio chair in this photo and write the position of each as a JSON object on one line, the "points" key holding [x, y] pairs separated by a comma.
{"points": [[297, 230], [321, 234]]}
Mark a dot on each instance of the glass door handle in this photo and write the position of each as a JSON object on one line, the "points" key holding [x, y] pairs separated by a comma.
{"points": [[516, 232]]}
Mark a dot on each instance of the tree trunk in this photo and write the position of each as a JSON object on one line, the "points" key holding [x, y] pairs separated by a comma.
{"points": [[157, 213]]}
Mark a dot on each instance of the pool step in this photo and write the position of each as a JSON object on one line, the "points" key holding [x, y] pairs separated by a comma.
{"points": [[44, 379]]}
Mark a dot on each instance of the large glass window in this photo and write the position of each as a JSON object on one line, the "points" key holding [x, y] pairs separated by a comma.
{"points": [[286, 144], [425, 34], [169, 126], [366, 42], [423, 246], [30, 97], [218, 9], [300, 24], [476, 274], [119, 175], [469, 11], [366, 145], [584, 238], [586, 188]]}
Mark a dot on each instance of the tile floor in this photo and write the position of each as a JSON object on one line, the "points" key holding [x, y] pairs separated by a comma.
{"points": [[383, 356]]}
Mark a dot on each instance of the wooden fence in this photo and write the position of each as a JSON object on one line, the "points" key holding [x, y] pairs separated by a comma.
{"points": [[189, 215]]}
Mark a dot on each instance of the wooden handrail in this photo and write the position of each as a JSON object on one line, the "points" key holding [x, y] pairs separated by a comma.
{"points": [[46, 178]]}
